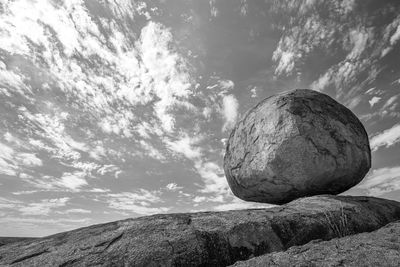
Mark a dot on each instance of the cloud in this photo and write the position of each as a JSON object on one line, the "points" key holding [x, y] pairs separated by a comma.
{"points": [[386, 138], [253, 91], [186, 146], [210, 172], [12, 162], [356, 54], [138, 202], [99, 190], [73, 181], [151, 151], [392, 35], [128, 74], [358, 39], [230, 106], [165, 71], [213, 177], [213, 9], [68, 182], [374, 100], [9, 203], [52, 128], [226, 85], [106, 169], [78, 211], [28, 159], [322, 82], [7, 155], [381, 181], [199, 199], [285, 61], [390, 103], [44, 207], [238, 204], [173, 187]]}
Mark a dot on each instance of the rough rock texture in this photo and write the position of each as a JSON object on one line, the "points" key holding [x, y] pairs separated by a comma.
{"points": [[8, 240], [295, 144], [204, 239], [379, 248]]}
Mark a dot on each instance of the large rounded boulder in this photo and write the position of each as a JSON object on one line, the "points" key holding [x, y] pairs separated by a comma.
{"points": [[296, 144]]}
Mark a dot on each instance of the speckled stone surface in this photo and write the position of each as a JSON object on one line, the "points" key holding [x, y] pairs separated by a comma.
{"points": [[295, 144], [379, 248], [206, 238]]}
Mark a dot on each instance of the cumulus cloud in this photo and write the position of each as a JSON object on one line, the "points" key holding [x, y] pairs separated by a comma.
{"points": [[230, 106], [386, 138]]}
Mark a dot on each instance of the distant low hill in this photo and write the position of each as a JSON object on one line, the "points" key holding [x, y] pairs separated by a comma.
{"points": [[8, 239]]}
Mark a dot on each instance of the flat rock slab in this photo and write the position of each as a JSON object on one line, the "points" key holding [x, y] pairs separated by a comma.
{"points": [[206, 238], [296, 144], [379, 248]]}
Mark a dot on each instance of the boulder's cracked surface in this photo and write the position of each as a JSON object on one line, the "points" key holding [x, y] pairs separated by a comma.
{"points": [[295, 144], [204, 239], [379, 248]]}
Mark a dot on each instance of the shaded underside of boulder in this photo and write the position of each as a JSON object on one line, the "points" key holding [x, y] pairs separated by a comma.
{"points": [[295, 144], [207, 238], [379, 248]]}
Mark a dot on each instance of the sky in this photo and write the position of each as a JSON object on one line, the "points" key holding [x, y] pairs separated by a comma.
{"points": [[111, 109]]}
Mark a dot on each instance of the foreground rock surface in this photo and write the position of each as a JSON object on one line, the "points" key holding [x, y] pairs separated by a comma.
{"points": [[379, 248], [296, 144], [204, 239]]}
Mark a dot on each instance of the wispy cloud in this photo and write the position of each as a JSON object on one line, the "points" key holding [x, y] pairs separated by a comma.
{"points": [[12, 162], [374, 100], [386, 138], [213, 177], [67, 182], [173, 187], [237, 204], [381, 181], [186, 146], [76, 211], [44, 207], [139, 202]]}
